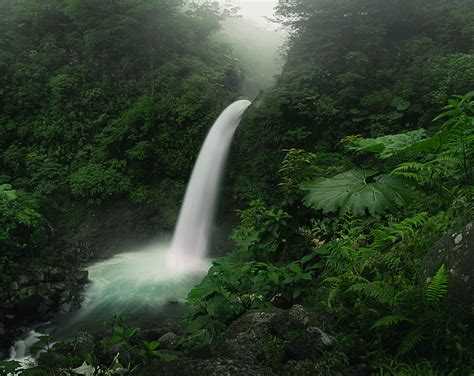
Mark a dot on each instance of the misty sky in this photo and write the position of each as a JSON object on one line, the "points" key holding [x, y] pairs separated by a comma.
{"points": [[255, 9]]}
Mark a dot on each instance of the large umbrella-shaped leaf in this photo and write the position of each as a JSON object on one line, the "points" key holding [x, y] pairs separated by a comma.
{"points": [[357, 191]]}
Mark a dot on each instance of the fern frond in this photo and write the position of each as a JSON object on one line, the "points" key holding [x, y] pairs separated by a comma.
{"points": [[412, 166], [377, 290], [333, 293], [438, 287], [392, 262], [416, 171], [389, 321], [448, 160], [410, 341], [417, 178], [404, 230]]}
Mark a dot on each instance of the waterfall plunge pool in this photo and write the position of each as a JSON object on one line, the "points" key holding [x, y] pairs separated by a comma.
{"points": [[140, 286]]}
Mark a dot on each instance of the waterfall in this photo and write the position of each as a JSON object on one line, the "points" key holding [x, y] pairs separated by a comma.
{"points": [[141, 284], [191, 236]]}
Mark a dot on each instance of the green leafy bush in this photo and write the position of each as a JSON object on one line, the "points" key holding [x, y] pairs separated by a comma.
{"points": [[230, 288], [21, 226]]}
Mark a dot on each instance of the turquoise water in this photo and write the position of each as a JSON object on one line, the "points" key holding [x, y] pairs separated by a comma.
{"points": [[138, 285]]}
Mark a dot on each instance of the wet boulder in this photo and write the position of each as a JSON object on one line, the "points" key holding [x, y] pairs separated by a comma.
{"points": [[209, 367], [81, 277], [309, 344], [246, 337], [169, 341], [55, 274], [294, 319]]}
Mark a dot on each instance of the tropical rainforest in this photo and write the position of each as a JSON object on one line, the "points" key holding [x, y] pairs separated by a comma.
{"points": [[345, 175]]}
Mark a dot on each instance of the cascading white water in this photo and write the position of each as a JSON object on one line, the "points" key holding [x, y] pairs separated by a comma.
{"points": [[190, 240]]}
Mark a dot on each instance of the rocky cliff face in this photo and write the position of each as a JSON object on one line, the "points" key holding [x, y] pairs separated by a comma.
{"points": [[40, 292]]}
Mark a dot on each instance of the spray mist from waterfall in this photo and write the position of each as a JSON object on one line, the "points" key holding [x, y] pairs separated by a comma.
{"points": [[191, 237]]}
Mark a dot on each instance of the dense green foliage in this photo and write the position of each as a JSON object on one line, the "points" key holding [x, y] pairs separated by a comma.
{"points": [[119, 352], [356, 67], [21, 226], [108, 99], [359, 265], [344, 225], [355, 164]]}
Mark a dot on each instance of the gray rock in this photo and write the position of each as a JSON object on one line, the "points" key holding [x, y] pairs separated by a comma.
{"points": [[169, 341], [47, 301], [65, 296], [43, 309], [27, 302], [65, 307], [59, 286], [300, 317], [210, 367], [44, 289], [201, 352], [308, 345], [23, 280], [302, 368], [26, 292], [85, 344], [81, 277], [456, 252], [69, 306], [296, 318], [150, 334], [56, 274], [247, 337]]}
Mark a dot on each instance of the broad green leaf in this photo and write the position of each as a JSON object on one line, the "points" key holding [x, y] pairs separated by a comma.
{"points": [[273, 276], [9, 366], [297, 293], [307, 258], [357, 191], [295, 268], [400, 104]]}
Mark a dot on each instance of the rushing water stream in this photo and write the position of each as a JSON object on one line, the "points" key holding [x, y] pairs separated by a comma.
{"points": [[149, 284]]}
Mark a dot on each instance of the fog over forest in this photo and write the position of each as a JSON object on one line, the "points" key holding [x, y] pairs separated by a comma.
{"points": [[256, 43], [255, 10]]}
